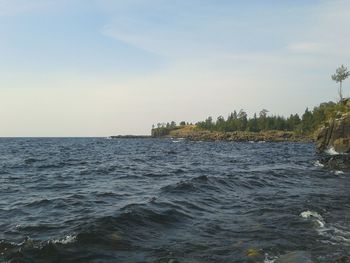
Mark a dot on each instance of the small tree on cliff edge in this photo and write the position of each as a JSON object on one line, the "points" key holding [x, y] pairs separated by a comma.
{"points": [[340, 75]]}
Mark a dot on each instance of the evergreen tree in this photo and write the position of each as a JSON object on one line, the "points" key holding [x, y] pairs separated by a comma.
{"points": [[253, 124], [307, 121]]}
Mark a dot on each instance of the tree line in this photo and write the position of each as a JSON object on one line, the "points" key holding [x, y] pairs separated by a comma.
{"points": [[308, 122]]}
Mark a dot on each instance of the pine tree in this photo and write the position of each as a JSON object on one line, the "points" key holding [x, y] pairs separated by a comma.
{"points": [[340, 75]]}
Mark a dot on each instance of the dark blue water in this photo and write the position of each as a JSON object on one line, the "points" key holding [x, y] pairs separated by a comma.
{"points": [[158, 200]]}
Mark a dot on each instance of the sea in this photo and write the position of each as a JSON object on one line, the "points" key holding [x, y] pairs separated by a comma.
{"points": [[168, 201]]}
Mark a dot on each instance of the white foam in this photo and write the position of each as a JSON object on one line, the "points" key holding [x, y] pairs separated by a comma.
{"points": [[177, 139], [338, 172], [331, 151], [336, 235], [261, 141], [315, 216], [318, 164], [28, 242], [66, 240], [269, 259]]}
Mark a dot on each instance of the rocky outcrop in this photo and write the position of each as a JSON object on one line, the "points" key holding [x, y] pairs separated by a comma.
{"points": [[336, 162], [194, 134], [335, 134]]}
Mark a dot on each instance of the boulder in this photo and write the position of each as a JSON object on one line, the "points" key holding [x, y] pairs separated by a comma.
{"points": [[254, 256], [336, 162], [297, 257], [341, 145]]}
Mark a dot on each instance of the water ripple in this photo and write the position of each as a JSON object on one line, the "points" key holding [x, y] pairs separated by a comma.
{"points": [[153, 200]]}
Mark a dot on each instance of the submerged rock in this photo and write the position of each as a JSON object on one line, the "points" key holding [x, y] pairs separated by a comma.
{"points": [[254, 256], [297, 257]]}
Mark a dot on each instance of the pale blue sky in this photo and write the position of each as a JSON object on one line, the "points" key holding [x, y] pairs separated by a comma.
{"points": [[102, 67]]}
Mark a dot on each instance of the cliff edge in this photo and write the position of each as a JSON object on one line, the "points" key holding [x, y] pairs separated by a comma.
{"points": [[333, 140], [335, 134]]}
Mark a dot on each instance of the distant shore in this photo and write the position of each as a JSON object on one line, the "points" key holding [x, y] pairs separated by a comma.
{"points": [[130, 136], [191, 132]]}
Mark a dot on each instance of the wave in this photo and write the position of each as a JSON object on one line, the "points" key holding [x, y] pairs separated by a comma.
{"points": [[39, 203], [109, 194], [152, 201], [318, 164], [183, 186], [30, 250], [66, 240], [334, 234], [331, 151], [135, 225], [37, 228], [31, 160], [314, 216]]}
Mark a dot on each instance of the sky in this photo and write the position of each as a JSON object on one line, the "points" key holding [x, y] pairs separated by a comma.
{"points": [[108, 67]]}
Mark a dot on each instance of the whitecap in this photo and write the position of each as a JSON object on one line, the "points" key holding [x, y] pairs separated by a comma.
{"points": [[27, 242], [335, 234], [315, 216], [269, 259], [66, 240], [261, 141], [331, 151], [318, 164], [338, 172]]}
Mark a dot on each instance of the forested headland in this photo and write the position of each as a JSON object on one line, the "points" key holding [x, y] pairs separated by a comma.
{"points": [[238, 123]]}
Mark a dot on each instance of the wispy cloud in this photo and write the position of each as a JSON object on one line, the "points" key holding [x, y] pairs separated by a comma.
{"points": [[327, 34], [16, 7], [306, 47], [218, 56]]}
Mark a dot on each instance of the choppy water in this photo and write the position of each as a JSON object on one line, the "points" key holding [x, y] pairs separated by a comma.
{"points": [[158, 200]]}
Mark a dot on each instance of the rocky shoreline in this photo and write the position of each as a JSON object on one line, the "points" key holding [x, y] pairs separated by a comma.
{"points": [[192, 133], [335, 134]]}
